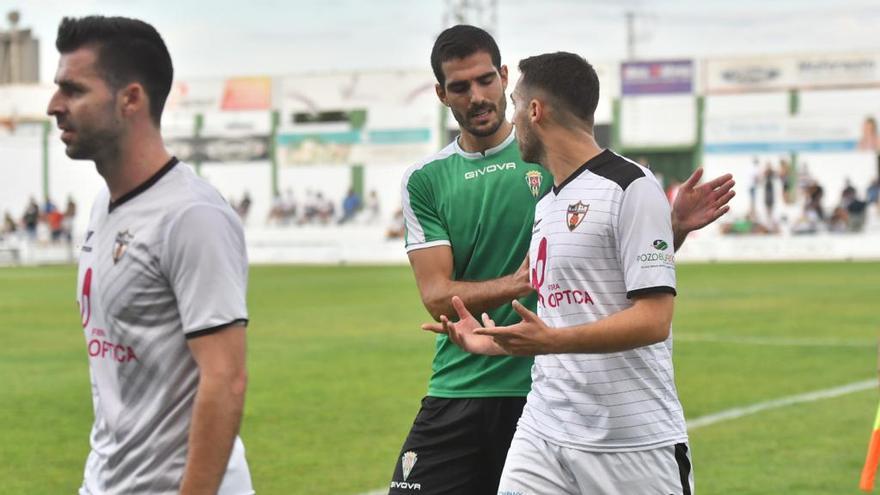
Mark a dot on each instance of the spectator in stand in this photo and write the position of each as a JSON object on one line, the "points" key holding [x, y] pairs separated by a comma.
{"points": [[815, 193], [276, 211], [55, 220], [870, 141], [769, 191], [69, 217], [854, 208], [785, 180], [288, 207], [872, 195], [373, 208], [753, 185], [9, 226], [351, 205], [397, 228], [325, 209], [838, 221], [31, 218], [311, 206], [244, 207]]}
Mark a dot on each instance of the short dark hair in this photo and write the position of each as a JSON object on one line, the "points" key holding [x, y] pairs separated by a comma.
{"points": [[459, 42], [566, 78], [127, 50]]}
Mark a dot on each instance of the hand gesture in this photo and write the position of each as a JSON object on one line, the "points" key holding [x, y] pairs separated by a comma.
{"points": [[529, 337], [699, 205], [462, 332]]}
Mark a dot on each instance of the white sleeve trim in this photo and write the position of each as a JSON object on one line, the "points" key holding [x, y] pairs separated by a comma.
{"points": [[424, 245]]}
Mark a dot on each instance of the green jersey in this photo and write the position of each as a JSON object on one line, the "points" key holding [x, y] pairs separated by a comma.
{"points": [[482, 205]]}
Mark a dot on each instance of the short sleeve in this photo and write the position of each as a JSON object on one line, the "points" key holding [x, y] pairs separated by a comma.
{"points": [[644, 233], [424, 225], [205, 260]]}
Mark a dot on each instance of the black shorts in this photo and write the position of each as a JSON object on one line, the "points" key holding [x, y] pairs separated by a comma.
{"points": [[457, 446]]}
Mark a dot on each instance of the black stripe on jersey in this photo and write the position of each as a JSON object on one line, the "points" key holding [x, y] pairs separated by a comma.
{"points": [[146, 185], [684, 467], [597, 161], [208, 331], [621, 171], [663, 289]]}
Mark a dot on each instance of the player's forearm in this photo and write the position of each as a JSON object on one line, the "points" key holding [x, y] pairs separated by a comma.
{"points": [[645, 323], [679, 234], [478, 297], [216, 419]]}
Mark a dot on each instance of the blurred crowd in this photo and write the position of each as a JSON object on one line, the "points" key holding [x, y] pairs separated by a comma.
{"points": [[781, 200], [316, 208], [45, 224]]}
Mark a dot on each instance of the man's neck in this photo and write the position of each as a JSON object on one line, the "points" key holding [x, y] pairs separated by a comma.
{"points": [[479, 144], [133, 165], [566, 151]]}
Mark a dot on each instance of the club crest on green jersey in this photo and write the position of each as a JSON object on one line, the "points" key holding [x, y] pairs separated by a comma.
{"points": [[123, 239], [533, 179], [575, 214]]}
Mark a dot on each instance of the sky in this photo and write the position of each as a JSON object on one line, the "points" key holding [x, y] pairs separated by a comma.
{"points": [[276, 37]]}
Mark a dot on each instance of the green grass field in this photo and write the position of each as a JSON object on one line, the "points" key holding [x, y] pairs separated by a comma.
{"points": [[338, 365]]}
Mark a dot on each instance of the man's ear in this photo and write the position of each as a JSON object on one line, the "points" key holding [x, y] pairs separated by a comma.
{"points": [[441, 94], [537, 111], [133, 99]]}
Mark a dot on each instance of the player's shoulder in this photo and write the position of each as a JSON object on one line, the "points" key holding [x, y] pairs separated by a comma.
{"points": [[189, 188], [445, 154], [618, 169], [185, 192], [428, 163]]}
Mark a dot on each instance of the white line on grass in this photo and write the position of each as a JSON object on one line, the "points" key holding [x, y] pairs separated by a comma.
{"points": [[739, 412], [775, 341]]}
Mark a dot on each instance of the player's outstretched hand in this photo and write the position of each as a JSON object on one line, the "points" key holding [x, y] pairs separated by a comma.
{"points": [[529, 337], [462, 332], [699, 205]]}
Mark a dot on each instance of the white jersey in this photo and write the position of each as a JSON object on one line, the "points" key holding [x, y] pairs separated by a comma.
{"points": [[600, 238], [164, 263]]}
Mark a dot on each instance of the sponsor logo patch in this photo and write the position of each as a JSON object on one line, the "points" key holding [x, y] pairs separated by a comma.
{"points": [[660, 245]]}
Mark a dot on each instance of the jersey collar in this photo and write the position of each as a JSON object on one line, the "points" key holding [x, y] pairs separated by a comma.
{"points": [[144, 186], [491, 151], [592, 163]]}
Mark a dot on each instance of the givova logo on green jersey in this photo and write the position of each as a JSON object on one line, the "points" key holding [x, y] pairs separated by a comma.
{"points": [[488, 169]]}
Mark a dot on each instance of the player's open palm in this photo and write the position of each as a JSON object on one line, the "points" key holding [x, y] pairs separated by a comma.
{"points": [[530, 337], [698, 205], [462, 331]]}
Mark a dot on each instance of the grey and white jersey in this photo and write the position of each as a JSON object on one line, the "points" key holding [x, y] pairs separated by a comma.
{"points": [[164, 263], [601, 237]]}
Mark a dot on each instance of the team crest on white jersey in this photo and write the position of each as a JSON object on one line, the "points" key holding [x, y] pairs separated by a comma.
{"points": [[407, 461], [533, 179], [123, 238], [575, 214]]}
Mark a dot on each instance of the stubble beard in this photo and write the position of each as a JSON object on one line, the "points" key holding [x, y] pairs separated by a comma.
{"points": [[500, 109]]}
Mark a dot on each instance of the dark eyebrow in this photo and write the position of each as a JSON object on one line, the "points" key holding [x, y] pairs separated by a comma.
{"points": [[68, 85], [462, 82], [486, 75]]}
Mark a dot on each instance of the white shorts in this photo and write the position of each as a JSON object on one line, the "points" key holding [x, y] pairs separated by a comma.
{"points": [[536, 467]]}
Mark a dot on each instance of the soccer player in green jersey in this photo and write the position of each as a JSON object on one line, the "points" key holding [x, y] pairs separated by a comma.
{"points": [[469, 213]]}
